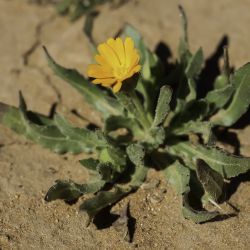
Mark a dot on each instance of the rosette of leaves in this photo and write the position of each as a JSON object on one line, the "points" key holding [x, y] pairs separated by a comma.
{"points": [[195, 167]]}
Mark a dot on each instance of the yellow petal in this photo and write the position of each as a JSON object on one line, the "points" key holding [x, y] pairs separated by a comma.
{"points": [[129, 46], [104, 81], [137, 68], [108, 53], [120, 50], [97, 71], [135, 58], [101, 60], [117, 86], [133, 70]]}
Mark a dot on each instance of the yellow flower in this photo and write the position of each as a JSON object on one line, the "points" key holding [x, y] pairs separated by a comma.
{"points": [[117, 61]]}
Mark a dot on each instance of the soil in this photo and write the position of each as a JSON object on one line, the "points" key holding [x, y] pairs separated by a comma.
{"points": [[27, 170]]}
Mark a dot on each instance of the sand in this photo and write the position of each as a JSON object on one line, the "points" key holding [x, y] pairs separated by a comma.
{"points": [[27, 170]]}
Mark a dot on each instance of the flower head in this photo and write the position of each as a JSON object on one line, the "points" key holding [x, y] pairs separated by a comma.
{"points": [[116, 61]]}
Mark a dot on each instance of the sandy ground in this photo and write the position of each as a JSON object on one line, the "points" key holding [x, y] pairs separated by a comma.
{"points": [[27, 170]]}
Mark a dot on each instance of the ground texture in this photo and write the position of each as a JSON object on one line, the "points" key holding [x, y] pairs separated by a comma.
{"points": [[27, 170]]}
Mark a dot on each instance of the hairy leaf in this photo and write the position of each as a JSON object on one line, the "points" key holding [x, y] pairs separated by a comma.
{"points": [[43, 132], [240, 100], [220, 97], [107, 171], [192, 90], [195, 64], [196, 215], [211, 180], [178, 176], [162, 108], [11, 117], [136, 154], [103, 199], [70, 191], [92, 140], [106, 198], [115, 122], [195, 110], [199, 127], [224, 163], [184, 53], [115, 156], [90, 163]]}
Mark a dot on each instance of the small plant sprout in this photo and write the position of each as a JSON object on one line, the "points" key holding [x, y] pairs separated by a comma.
{"points": [[169, 125]]}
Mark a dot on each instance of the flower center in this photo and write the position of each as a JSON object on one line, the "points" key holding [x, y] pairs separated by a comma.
{"points": [[120, 72]]}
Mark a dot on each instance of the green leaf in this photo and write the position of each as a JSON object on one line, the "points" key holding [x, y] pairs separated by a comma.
{"points": [[115, 122], [154, 138], [88, 28], [115, 156], [224, 163], [240, 100], [192, 90], [196, 215], [49, 136], [103, 199], [92, 140], [131, 102], [90, 163], [198, 127], [220, 97], [70, 191], [195, 64], [107, 171], [211, 180], [183, 49], [130, 31], [96, 97], [178, 176], [162, 108], [63, 6], [136, 154], [195, 110], [106, 198]]}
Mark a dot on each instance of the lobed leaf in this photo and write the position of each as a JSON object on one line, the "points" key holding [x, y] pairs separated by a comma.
{"points": [[58, 135], [224, 163], [107, 198], [92, 140]]}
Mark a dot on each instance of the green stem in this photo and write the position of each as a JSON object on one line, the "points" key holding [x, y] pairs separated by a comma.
{"points": [[141, 112]]}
